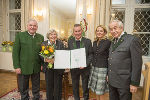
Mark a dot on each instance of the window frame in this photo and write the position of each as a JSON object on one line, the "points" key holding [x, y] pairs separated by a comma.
{"points": [[21, 11], [130, 7]]}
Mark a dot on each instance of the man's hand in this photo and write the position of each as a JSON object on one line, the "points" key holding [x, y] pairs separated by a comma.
{"points": [[67, 70], [81, 67], [41, 68], [49, 60], [107, 78], [133, 89], [18, 71]]}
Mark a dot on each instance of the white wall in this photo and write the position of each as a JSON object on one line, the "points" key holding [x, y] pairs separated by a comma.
{"points": [[6, 61], [43, 25]]}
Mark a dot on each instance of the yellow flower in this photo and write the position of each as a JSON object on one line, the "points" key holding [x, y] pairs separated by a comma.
{"points": [[46, 51], [43, 47]]}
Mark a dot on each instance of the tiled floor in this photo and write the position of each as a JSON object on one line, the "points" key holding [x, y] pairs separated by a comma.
{"points": [[8, 81]]}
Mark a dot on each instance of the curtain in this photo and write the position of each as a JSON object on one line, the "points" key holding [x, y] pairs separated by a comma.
{"points": [[100, 14], [28, 12], [79, 8], [103, 12]]}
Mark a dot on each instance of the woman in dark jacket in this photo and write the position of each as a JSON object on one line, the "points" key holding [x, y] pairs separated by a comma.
{"points": [[53, 76], [97, 80]]}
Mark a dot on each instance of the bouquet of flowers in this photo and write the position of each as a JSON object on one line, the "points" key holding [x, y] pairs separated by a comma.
{"points": [[48, 52], [4, 43], [7, 44], [10, 43]]}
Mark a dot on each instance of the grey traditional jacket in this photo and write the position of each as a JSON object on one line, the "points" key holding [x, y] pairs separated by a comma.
{"points": [[125, 62]]}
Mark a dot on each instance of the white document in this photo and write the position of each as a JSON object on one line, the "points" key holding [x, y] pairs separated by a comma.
{"points": [[62, 59], [78, 58], [70, 58]]}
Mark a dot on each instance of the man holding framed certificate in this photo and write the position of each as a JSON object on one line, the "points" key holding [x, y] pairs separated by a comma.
{"points": [[80, 43]]}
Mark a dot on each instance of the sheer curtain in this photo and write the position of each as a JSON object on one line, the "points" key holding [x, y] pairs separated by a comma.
{"points": [[103, 11], [100, 14], [28, 12]]}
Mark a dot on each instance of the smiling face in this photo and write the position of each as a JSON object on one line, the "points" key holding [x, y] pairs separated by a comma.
{"points": [[77, 31], [32, 27], [100, 33], [115, 29], [53, 37]]}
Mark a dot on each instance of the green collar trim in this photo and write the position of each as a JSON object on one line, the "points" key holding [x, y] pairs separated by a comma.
{"points": [[114, 46]]}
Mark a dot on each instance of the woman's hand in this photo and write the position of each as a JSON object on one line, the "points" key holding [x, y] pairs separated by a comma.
{"points": [[49, 60]]}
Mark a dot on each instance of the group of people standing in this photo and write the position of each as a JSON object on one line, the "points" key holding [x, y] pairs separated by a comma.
{"points": [[111, 65]]}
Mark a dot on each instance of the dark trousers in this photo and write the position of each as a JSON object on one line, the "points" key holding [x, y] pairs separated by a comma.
{"points": [[23, 81], [75, 75], [119, 93], [53, 84]]}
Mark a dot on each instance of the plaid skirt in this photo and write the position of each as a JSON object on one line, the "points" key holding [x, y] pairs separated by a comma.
{"points": [[97, 80]]}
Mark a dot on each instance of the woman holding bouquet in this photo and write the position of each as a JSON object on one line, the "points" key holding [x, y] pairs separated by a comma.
{"points": [[53, 77], [97, 80]]}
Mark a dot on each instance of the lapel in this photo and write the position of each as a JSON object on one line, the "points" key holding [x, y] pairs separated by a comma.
{"points": [[45, 43], [58, 45], [82, 42], [100, 43], [114, 46]]}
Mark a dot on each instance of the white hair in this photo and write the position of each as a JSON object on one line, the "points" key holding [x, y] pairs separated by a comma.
{"points": [[50, 32], [120, 24], [33, 21]]}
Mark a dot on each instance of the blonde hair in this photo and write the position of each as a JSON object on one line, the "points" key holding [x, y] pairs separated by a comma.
{"points": [[50, 32], [105, 31]]}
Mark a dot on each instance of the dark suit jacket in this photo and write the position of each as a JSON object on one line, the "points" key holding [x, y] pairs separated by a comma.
{"points": [[59, 46], [125, 62], [26, 52], [88, 47], [100, 53]]}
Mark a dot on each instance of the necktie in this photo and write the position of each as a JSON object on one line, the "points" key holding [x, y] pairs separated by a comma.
{"points": [[78, 44], [116, 40]]}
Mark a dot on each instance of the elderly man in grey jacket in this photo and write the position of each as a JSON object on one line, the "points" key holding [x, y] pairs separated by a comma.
{"points": [[125, 63]]}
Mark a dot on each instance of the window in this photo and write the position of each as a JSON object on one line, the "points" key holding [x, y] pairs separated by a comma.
{"points": [[142, 1], [118, 1], [142, 27], [15, 14], [118, 14], [135, 14]]}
